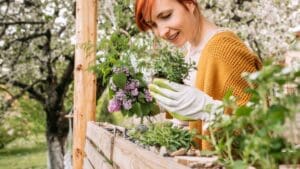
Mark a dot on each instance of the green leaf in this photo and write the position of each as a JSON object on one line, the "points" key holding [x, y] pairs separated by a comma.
{"points": [[239, 165], [154, 109], [243, 111], [119, 80], [136, 109], [145, 108], [276, 113], [141, 98], [111, 93]]}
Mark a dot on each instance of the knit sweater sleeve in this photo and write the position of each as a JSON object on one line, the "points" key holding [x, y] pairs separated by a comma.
{"points": [[233, 57]]}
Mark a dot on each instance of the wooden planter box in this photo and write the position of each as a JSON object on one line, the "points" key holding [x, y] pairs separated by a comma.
{"points": [[104, 150]]}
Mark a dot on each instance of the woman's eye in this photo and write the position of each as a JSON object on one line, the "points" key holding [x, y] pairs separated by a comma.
{"points": [[166, 16]]}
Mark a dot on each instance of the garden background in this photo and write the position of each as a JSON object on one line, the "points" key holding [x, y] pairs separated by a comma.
{"points": [[37, 48]]}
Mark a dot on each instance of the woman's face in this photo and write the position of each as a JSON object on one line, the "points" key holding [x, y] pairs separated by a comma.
{"points": [[173, 22]]}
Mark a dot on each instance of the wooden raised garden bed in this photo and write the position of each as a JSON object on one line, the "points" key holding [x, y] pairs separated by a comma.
{"points": [[106, 149]]}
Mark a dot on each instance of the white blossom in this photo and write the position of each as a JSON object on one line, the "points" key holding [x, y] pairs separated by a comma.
{"points": [[263, 24]]}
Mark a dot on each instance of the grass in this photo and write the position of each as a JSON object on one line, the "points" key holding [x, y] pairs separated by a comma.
{"points": [[24, 153]]}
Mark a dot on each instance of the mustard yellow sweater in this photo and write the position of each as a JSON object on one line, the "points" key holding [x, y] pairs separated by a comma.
{"points": [[223, 59]]}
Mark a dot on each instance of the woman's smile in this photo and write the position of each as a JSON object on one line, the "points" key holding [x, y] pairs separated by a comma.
{"points": [[174, 37]]}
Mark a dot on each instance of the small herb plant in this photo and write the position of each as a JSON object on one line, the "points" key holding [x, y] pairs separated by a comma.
{"points": [[112, 50], [163, 134], [253, 135], [129, 94], [171, 65]]}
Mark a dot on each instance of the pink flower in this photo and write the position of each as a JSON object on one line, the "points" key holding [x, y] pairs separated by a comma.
{"points": [[135, 92], [114, 105], [148, 97], [127, 104], [120, 95]]}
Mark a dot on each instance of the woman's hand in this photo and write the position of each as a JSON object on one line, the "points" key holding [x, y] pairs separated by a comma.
{"points": [[184, 102]]}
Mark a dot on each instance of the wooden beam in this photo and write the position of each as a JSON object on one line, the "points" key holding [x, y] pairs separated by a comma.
{"points": [[84, 80]]}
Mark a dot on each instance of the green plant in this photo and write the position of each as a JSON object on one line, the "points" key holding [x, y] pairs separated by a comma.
{"points": [[128, 93], [253, 134], [26, 118], [163, 134], [171, 65], [113, 49]]}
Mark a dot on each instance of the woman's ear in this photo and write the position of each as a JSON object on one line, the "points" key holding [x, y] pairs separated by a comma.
{"points": [[190, 6]]}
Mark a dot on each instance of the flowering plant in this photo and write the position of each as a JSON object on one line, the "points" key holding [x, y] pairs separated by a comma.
{"points": [[129, 94]]}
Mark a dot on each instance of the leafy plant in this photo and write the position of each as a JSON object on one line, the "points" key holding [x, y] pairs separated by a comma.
{"points": [[112, 49], [129, 93], [171, 65], [253, 135], [163, 134]]}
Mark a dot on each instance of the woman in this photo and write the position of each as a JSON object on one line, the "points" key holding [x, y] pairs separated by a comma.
{"points": [[220, 55]]}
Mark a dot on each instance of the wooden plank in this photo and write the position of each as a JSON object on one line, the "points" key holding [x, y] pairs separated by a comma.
{"points": [[96, 159], [87, 164], [187, 160], [84, 80], [289, 167], [101, 138], [127, 155]]}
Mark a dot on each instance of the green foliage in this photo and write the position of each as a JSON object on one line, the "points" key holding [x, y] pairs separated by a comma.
{"points": [[30, 121], [163, 134], [171, 65], [253, 135], [33, 112], [129, 93], [112, 49], [29, 153], [102, 113]]}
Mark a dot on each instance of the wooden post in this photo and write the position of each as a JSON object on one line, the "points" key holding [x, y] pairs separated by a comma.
{"points": [[84, 80]]}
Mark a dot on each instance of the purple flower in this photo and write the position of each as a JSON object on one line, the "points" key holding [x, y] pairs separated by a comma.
{"points": [[134, 92], [148, 96], [130, 86], [127, 104], [137, 83], [114, 105], [120, 95]]}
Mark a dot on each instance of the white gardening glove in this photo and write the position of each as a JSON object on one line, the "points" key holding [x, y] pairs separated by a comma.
{"points": [[184, 102]]}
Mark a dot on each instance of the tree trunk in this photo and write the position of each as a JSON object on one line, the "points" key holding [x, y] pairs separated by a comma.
{"points": [[56, 135], [56, 151], [57, 127]]}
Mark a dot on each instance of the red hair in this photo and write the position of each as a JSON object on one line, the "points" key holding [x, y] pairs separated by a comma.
{"points": [[143, 10]]}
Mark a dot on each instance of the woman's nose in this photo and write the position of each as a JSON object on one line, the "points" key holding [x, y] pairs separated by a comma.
{"points": [[163, 32]]}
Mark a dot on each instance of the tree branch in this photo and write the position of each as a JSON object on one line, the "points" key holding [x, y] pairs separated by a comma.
{"points": [[27, 88], [24, 39], [6, 1], [67, 77], [6, 90], [21, 23]]}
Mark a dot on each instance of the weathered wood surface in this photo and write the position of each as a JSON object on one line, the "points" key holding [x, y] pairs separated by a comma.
{"points": [[95, 158], [101, 138], [87, 164], [84, 80], [127, 155], [289, 167], [187, 160], [123, 153]]}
